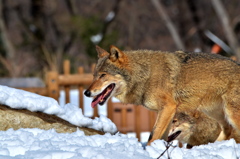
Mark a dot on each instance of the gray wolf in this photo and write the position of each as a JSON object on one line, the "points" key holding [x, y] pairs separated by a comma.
{"points": [[196, 128], [169, 81]]}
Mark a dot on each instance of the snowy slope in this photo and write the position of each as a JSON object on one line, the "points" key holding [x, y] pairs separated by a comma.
{"points": [[20, 99], [42, 144]]}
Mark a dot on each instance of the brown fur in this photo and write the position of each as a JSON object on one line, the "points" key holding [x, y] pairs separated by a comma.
{"points": [[168, 81], [197, 128]]}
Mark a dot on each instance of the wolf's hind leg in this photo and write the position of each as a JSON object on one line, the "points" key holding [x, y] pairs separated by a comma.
{"points": [[223, 122], [232, 108], [233, 117], [216, 111]]}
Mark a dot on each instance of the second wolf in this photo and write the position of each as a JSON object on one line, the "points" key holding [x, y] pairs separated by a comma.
{"points": [[167, 81], [196, 129]]}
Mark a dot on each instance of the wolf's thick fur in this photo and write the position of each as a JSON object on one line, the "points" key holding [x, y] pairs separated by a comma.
{"points": [[196, 129], [167, 81]]}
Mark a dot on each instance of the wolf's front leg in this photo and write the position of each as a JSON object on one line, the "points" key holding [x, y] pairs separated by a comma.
{"points": [[163, 123]]}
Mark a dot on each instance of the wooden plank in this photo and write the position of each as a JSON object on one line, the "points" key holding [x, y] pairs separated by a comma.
{"points": [[124, 118], [152, 119], [75, 79], [137, 121], [66, 71], [110, 109], [80, 90], [38, 90], [95, 112], [123, 115], [53, 85]]}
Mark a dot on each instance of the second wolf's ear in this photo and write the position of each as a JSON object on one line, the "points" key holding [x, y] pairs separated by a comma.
{"points": [[116, 54], [101, 52]]}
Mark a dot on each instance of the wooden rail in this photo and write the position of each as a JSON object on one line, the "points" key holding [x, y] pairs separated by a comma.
{"points": [[38, 90], [76, 79]]}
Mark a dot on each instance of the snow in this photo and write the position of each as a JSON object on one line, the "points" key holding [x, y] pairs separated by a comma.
{"points": [[42, 144], [20, 99], [48, 144]]}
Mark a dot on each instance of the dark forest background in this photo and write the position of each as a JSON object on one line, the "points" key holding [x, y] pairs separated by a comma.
{"points": [[37, 35]]}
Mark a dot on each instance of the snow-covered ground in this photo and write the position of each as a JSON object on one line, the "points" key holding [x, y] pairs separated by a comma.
{"points": [[21, 99], [42, 144]]}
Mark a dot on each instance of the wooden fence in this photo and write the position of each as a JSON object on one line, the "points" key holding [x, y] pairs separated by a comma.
{"points": [[128, 118]]}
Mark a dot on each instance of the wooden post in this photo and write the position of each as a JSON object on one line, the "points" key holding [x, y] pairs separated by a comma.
{"points": [[152, 119], [110, 109], [66, 71], [80, 90], [137, 121], [124, 118], [95, 112], [52, 85], [75, 79]]}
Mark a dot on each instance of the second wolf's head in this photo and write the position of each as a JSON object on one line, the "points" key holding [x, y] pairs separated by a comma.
{"points": [[194, 129], [110, 76]]}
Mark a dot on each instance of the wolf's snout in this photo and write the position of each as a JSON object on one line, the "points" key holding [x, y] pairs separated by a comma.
{"points": [[87, 93]]}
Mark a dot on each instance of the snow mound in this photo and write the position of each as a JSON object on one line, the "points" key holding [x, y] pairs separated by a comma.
{"points": [[48, 144], [218, 150], [41, 144], [20, 99]]}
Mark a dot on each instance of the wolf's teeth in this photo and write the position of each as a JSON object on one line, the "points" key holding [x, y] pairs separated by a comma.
{"points": [[106, 93]]}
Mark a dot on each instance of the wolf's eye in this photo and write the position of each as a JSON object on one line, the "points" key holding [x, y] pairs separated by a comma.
{"points": [[102, 75], [174, 120]]}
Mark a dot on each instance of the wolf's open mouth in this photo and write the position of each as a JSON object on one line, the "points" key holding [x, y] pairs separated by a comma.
{"points": [[173, 136], [102, 97]]}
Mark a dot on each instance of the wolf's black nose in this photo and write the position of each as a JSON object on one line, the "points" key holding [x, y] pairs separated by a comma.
{"points": [[87, 93]]}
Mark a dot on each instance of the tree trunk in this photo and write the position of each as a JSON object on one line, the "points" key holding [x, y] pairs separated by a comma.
{"points": [[9, 60], [173, 31], [231, 37]]}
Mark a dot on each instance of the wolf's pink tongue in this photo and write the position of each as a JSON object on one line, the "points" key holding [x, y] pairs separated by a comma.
{"points": [[94, 104], [96, 101]]}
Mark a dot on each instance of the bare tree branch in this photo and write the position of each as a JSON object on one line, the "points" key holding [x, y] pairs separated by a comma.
{"points": [[197, 20], [71, 5], [173, 31], [8, 45], [6, 64], [10, 50], [223, 16]]}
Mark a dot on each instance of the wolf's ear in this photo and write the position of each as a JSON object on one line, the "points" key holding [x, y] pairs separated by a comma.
{"points": [[101, 52], [116, 54]]}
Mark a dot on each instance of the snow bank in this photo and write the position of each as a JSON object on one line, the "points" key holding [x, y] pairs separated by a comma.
{"points": [[42, 144], [218, 150], [20, 99]]}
